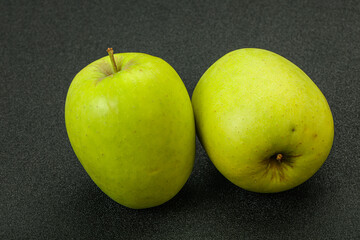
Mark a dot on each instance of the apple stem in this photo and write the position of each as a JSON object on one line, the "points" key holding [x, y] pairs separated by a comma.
{"points": [[110, 51], [279, 156]]}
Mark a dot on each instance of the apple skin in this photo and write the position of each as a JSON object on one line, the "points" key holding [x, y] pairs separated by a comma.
{"points": [[252, 106], [133, 131]]}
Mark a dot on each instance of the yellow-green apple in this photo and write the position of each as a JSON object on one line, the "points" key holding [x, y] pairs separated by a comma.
{"points": [[262, 121], [130, 122]]}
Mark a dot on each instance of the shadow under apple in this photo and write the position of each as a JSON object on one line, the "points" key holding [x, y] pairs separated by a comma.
{"points": [[207, 199]]}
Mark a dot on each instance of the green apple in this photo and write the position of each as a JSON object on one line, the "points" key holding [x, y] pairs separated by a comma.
{"points": [[262, 121], [130, 122]]}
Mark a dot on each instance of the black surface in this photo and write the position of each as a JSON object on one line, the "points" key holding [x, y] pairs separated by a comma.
{"points": [[45, 192]]}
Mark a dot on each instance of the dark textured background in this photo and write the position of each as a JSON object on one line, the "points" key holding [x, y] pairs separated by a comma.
{"points": [[46, 194]]}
